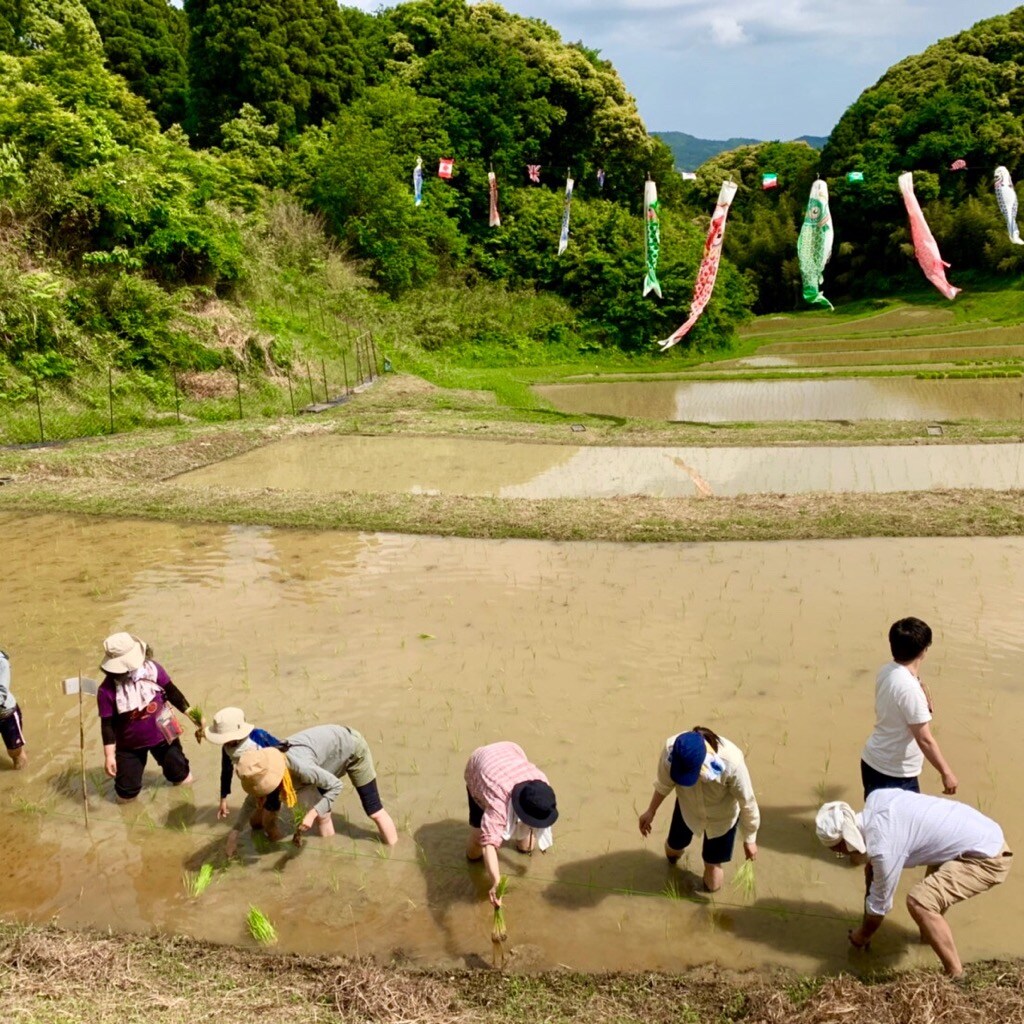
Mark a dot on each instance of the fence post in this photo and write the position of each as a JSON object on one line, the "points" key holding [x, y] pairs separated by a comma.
{"points": [[373, 348], [359, 368], [238, 390], [309, 377], [177, 398], [323, 372], [291, 394], [110, 395], [344, 367], [39, 411]]}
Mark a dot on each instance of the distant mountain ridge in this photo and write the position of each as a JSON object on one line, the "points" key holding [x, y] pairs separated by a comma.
{"points": [[690, 152]]}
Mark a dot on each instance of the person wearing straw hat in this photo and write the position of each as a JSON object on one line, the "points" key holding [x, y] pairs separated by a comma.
{"points": [[234, 735], [314, 758], [134, 704], [10, 718], [965, 853], [509, 799], [714, 799]]}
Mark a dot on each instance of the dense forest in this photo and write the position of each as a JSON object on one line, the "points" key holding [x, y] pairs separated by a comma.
{"points": [[157, 162]]}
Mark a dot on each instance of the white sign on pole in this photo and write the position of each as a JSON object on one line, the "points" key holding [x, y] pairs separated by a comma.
{"points": [[89, 686]]}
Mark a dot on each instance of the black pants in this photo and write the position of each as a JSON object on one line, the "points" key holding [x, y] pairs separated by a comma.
{"points": [[130, 764], [873, 780]]}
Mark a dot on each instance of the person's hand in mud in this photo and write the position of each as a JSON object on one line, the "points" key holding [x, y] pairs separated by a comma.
{"points": [[493, 896], [750, 851], [231, 846], [307, 821]]}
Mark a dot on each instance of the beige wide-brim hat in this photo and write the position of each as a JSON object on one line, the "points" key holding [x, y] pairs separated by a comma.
{"points": [[260, 771], [228, 726], [124, 653]]}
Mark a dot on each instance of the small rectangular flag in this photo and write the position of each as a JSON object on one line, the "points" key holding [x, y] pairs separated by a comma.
{"points": [[494, 219], [769, 181], [854, 176], [958, 165], [688, 175], [445, 167], [417, 181], [600, 178], [563, 238], [533, 173]]}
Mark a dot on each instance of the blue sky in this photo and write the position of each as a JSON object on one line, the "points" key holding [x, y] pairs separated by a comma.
{"points": [[767, 69]]}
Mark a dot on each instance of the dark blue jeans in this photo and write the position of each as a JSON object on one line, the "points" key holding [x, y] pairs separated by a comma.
{"points": [[876, 780]]}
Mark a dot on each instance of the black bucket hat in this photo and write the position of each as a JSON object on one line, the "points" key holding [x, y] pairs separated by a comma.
{"points": [[534, 804]]}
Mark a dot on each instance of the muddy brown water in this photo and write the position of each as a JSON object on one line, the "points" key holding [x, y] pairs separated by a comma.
{"points": [[468, 466], [587, 654], [890, 398]]}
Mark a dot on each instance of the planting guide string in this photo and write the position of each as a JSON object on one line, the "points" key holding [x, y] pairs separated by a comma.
{"points": [[709, 901]]}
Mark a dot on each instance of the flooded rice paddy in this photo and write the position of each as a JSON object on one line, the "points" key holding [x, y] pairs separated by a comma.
{"points": [[886, 398], [587, 654], [468, 466]]}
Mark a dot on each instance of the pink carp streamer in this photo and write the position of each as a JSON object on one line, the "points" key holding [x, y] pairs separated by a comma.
{"points": [[925, 247], [494, 217], [708, 265]]}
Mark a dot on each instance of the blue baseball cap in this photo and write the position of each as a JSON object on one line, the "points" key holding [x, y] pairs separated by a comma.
{"points": [[687, 758]]}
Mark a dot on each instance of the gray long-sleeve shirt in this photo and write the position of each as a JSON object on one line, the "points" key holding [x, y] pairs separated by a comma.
{"points": [[316, 757]]}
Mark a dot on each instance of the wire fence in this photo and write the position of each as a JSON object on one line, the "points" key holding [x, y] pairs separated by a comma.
{"points": [[97, 403]]}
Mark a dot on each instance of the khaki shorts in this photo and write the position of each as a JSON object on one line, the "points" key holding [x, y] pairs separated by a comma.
{"points": [[360, 768], [960, 879]]}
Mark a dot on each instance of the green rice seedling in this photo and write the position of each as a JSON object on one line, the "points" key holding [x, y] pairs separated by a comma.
{"points": [[499, 933], [196, 714], [672, 890], [197, 882], [260, 927], [743, 880]]}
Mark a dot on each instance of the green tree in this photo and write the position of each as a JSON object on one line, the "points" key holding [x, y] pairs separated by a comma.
{"points": [[293, 60], [146, 42]]}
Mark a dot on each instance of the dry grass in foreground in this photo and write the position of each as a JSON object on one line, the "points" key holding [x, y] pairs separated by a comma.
{"points": [[52, 976]]}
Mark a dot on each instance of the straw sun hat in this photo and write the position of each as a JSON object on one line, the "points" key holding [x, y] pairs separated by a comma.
{"points": [[260, 771]]}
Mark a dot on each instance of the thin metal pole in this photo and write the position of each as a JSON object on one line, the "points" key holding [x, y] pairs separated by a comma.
{"points": [[39, 411], [323, 371], [177, 397], [344, 368], [309, 377], [110, 395], [291, 394], [238, 389], [81, 750]]}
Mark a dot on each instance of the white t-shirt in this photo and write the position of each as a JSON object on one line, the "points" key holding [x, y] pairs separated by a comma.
{"points": [[900, 702], [906, 830]]}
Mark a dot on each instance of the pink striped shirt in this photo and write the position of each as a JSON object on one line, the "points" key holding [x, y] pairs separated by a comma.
{"points": [[491, 774]]}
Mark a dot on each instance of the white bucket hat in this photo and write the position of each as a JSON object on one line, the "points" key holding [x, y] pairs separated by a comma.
{"points": [[124, 653], [228, 726], [836, 821]]}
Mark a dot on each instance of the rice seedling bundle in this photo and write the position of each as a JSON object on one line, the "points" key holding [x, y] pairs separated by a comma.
{"points": [[260, 927], [196, 714], [197, 882], [499, 933], [743, 880]]}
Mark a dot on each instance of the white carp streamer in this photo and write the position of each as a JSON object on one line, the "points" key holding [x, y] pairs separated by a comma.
{"points": [[1006, 198]]}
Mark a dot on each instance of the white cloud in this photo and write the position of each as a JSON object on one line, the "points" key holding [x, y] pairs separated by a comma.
{"points": [[727, 31]]}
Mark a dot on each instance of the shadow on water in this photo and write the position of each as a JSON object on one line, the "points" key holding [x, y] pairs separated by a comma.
{"points": [[586, 883], [814, 929], [451, 880], [789, 828]]}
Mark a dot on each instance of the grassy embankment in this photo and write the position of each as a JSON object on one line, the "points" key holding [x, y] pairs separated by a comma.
{"points": [[53, 977], [443, 394]]}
